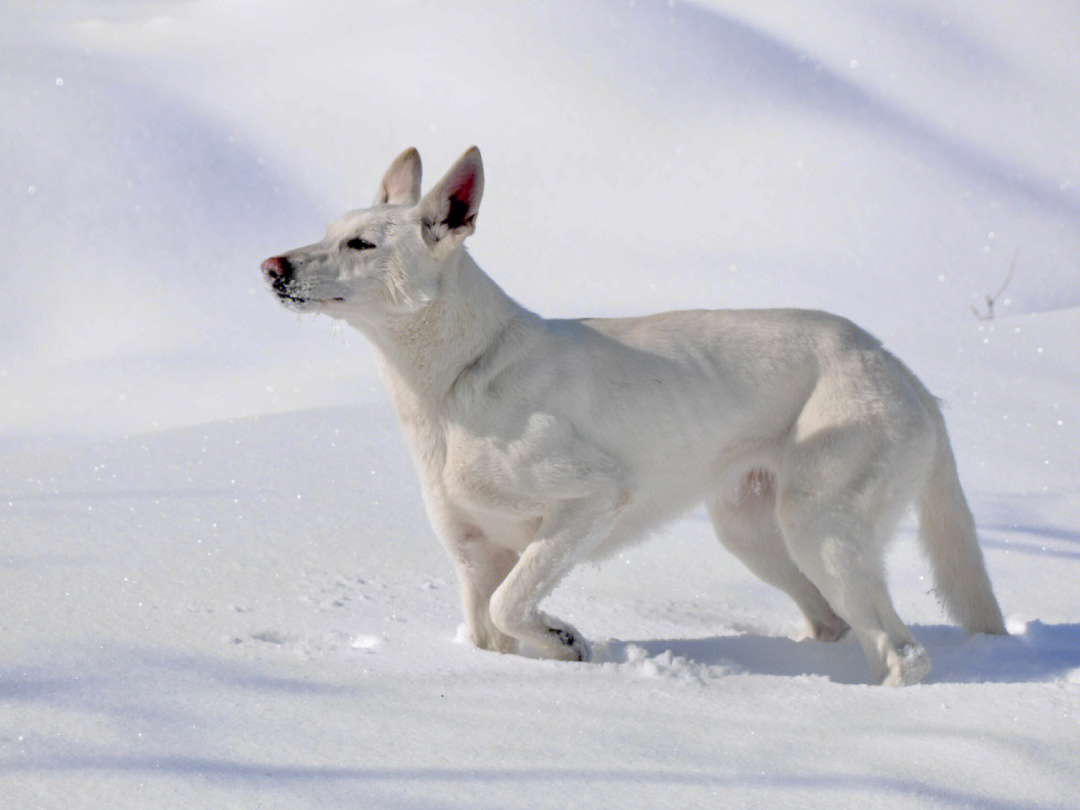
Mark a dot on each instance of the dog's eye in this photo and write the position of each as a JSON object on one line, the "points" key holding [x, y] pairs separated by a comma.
{"points": [[356, 243]]}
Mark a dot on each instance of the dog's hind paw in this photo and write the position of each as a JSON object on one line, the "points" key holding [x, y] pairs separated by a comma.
{"points": [[907, 666]]}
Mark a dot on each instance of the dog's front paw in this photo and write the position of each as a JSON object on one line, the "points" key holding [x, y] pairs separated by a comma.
{"points": [[487, 637], [570, 645]]}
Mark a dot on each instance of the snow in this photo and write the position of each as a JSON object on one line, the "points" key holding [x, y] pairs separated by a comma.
{"points": [[217, 584]]}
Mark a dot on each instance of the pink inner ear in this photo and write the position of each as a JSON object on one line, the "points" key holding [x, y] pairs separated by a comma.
{"points": [[464, 185]]}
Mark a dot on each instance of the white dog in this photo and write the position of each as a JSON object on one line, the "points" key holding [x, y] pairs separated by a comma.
{"points": [[541, 443]]}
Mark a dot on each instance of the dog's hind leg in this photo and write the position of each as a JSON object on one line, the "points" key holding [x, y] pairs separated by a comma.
{"points": [[841, 555], [746, 525]]}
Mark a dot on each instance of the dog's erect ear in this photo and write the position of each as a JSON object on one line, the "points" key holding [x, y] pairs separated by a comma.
{"points": [[401, 183], [448, 211]]}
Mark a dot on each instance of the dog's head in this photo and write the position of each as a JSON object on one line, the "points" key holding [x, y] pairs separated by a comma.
{"points": [[382, 262]]}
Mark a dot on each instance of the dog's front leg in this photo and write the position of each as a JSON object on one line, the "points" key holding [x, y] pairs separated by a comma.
{"points": [[481, 566], [565, 536]]}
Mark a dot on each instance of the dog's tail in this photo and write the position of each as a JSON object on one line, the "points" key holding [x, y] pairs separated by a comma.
{"points": [[947, 531]]}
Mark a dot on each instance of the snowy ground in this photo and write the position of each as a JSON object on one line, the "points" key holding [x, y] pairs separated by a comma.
{"points": [[217, 584]]}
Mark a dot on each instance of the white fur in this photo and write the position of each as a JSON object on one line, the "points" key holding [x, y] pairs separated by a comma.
{"points": [[541, 443]]}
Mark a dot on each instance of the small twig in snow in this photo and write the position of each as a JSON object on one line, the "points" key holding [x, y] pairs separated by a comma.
{"points": [[991, 299]]}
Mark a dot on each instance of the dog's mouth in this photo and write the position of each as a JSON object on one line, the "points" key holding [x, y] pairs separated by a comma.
{"points": [[289, 296], [292, 300]]}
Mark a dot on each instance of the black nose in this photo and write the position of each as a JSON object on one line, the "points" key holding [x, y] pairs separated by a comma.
{"points": [[277, 269]]}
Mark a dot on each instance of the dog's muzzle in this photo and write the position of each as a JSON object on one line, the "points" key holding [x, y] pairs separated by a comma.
{"points": [[279, 272]]}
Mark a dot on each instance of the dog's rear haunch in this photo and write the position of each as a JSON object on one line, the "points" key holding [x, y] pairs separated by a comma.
{"points": [[541, 443]]}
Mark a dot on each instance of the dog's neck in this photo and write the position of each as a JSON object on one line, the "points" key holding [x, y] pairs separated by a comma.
{"points": [[422, 356]]}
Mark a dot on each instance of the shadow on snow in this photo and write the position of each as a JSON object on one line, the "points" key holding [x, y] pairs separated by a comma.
{"points": [[1039, 652]]}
